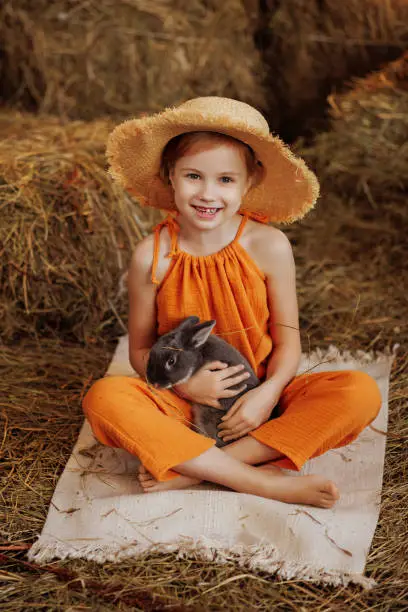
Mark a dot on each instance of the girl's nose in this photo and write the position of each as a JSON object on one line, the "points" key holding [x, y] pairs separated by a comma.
{"points": [[207, 192], [207, 198]]}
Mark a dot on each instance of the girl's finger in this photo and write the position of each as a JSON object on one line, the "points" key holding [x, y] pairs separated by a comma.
{"points": [[215, 365], [232, 392], [232, 423], [233, 410], [231, 371], [237, 435], [236, 429]]}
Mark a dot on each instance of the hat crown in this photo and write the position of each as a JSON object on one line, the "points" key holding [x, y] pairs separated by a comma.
{"points": [[216, 106]]}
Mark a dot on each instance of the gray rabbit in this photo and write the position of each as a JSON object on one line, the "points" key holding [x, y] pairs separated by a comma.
{"points": [[177, 355]]}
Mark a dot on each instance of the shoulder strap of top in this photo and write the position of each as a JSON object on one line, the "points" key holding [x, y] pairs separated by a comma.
{"points": [[256, 216], [240, 228], [249, 215], [172, 227]]}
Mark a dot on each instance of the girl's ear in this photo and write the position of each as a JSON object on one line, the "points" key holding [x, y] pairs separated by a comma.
{"points": [[171, 177], [248, 185]]}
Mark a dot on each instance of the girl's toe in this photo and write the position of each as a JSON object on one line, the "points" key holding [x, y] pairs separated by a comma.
{"points": [[148, 483]]}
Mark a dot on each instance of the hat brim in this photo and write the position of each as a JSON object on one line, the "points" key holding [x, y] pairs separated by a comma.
{"points": [[288, 188]]}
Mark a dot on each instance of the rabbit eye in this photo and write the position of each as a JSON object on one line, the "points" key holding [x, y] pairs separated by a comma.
{"points": [[171, 361]]}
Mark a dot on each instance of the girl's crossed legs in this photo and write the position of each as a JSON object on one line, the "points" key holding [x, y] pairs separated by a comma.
{"points": [[317, 412]]}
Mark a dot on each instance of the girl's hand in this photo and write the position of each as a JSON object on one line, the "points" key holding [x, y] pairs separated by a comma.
{"points": [[207, 386], [249, 412]]}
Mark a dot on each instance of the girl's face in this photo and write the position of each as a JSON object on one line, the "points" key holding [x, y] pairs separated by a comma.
{"points": [[209, 182]]}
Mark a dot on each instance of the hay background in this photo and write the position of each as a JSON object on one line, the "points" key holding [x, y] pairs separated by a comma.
{"points": [[121, 57], [67, 231], [311, 48], [351, 255]]}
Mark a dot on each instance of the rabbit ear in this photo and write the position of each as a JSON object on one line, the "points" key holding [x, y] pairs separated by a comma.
{"points": [[189, 322], [199, 334]]}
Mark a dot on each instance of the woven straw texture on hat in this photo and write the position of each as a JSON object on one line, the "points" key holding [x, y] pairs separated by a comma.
{"points": [[288, 188]]}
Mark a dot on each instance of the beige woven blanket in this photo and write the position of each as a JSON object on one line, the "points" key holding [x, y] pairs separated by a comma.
{"points": [[99, 512]]}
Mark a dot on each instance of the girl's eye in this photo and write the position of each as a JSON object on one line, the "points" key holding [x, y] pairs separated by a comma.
{"points": [[193, 175], [226, 179]]}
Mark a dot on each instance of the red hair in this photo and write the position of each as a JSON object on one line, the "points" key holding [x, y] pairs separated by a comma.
{"points": [[179, 146]]}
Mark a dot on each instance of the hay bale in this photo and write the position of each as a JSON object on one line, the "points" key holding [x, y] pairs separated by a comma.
{"points": [[67, 231], [84, 60], [365, 152], [314, 46], [359, 225]]}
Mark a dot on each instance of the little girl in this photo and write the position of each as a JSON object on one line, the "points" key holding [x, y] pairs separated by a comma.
{"points": [[213, 164]]}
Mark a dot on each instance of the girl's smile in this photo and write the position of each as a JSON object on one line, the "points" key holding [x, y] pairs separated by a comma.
{"points": [[209, 179]]}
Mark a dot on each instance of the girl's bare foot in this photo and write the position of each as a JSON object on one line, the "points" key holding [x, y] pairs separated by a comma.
{"points": [[150, 485], [310, 490], [317, 489]]}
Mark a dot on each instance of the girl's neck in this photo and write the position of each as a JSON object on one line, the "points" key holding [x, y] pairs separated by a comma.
{"points": [[201, 241]]}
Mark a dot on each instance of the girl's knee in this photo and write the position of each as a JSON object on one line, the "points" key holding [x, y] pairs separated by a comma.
{"points": [[105, 390], [362, 396], [104, 405]]}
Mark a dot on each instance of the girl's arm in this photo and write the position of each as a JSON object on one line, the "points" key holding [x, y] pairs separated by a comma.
{"points": [[279, 267], [142, 306], [139, 361]]}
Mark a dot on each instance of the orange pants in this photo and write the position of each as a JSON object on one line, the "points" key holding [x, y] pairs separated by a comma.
{"points": [[317, 412]]}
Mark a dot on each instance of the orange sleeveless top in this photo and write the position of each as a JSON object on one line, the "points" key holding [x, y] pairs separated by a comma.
{"points": [[226, 286]]}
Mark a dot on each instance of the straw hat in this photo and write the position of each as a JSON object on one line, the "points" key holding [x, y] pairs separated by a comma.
{"points": [[288, 189]]}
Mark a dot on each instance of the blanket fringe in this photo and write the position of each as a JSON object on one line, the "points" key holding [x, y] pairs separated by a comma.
{"points": [[261, 557], [332, 354]]}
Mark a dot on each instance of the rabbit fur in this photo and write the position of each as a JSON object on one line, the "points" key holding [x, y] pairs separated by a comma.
{"points": [[177, 355]]}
